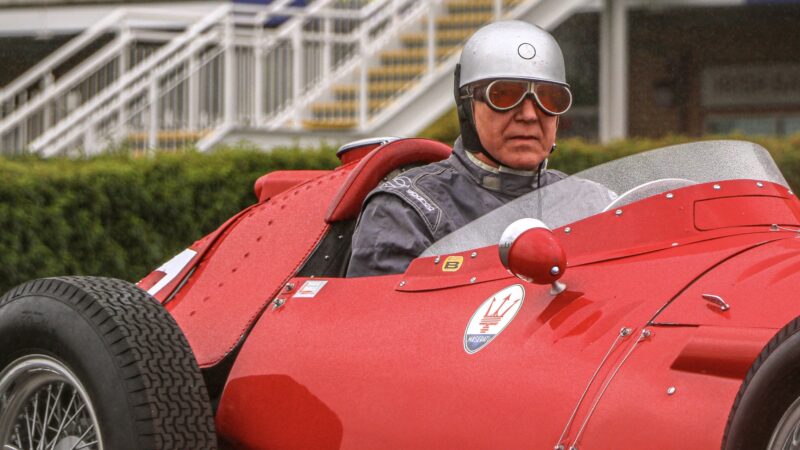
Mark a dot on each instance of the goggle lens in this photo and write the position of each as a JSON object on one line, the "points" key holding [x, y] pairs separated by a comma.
{"points": [[553, 98], [506, 94], [503, 95]]}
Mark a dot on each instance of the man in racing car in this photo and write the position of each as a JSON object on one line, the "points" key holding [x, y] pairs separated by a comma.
{"points": [[510, 88]]}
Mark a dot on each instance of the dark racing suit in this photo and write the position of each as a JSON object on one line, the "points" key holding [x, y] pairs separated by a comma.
{"points": [[405, 215]]}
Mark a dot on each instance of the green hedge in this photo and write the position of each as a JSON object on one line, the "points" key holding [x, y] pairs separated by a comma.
{"points": [[122, 216]]}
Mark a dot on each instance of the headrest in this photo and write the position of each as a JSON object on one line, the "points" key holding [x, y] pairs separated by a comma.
{"points": [[375, 166]]}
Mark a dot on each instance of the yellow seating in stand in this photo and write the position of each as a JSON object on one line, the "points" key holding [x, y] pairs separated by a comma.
{"points": [[400, 68]]}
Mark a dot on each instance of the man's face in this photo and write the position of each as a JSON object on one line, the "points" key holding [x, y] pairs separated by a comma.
{"points": [[520, 138]]}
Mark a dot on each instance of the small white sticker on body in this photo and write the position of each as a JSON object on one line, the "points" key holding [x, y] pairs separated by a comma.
{"points": [[310, 288], [171, 269]]}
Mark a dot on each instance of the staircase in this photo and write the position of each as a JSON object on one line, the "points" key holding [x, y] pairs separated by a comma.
{"points": [[398, 69], [331, 69]]}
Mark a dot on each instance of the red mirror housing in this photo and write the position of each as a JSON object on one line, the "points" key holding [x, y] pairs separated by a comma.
{"points": [[529, 250]]}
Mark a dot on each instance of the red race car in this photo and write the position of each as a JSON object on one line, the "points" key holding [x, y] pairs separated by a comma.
{"points": [[655, 309]]}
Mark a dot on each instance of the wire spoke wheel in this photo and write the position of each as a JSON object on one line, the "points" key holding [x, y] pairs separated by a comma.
{"points": [[787, 434], [43, 406], [96, 363], [766, 410]]}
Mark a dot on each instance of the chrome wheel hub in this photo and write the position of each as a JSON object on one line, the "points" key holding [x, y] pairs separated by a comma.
{"points": [[43, 406], [787, 434]]}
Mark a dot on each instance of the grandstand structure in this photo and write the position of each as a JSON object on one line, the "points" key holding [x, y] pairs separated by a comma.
{"points": [[157, 75]]}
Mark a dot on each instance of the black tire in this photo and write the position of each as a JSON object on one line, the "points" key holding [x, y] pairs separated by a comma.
{"points": [[126, 351], [768, 391]]}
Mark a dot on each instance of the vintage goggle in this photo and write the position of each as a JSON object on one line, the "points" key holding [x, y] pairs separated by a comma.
{"points": [[504, 95]]}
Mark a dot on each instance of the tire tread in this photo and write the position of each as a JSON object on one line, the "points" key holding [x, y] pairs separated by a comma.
{"points": [[153, 357]]}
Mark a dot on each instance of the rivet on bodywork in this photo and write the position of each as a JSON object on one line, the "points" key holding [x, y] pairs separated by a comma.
{"points": [[567, 230], [474, 254], [437, 259], [774, 227], [289, 287], [625, 332], [473, 279], [717, 187], [558, 447], [555, 271], [674, 244], [670, 195], [760, 184], [278, 303], [402, 283], [618, 212], [671, 390]]}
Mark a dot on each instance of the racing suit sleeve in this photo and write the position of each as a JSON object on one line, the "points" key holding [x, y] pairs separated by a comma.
{"points": [[390, 233]]}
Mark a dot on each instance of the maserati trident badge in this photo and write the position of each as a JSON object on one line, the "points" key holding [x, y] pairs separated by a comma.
{"points": [[492, 317]]}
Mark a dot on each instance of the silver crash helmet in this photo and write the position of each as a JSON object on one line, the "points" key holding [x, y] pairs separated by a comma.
{"points": [[505, 50], [511, 49]]}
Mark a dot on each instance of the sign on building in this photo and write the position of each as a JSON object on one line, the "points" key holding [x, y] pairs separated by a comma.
{"points": [[767, 85]]}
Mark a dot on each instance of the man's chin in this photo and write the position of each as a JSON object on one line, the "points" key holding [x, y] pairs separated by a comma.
{"points": [[526, 158], [525, 164]]}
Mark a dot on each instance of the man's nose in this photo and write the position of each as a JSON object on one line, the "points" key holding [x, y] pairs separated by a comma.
{"points": [[526, 111]]}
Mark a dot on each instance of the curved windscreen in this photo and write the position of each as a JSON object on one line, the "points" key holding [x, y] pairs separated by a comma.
{"points": [[616, 183]]}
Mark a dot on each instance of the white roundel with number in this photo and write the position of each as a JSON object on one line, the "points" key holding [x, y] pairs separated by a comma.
{"points": [[492, 317]]}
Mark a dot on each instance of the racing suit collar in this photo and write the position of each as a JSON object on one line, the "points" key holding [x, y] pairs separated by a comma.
{"points": [[503, 179]]}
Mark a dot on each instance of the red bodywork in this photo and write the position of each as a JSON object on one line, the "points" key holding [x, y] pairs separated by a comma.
{"points": [[380, 362]]}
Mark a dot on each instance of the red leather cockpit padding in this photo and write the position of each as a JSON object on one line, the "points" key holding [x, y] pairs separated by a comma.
{"points": [[356, 153], [373, 167], [249, 265], [273, 183]]}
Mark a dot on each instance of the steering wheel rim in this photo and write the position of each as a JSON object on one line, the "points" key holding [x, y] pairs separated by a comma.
{"points": [[629, 196]]}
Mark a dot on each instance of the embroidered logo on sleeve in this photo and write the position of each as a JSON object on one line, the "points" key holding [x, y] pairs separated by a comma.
{"points": [[425, 204], [397, 183]]}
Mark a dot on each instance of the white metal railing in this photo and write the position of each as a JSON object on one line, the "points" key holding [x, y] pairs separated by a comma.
{"points": [[328, 64], [49, 92], [181, 92]]}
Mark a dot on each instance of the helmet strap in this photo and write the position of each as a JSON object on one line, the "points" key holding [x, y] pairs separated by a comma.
{"points": [[542, 168], [466, 121]]}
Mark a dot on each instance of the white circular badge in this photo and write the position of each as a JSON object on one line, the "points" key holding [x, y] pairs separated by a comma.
{"points": [[492, 317]]}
